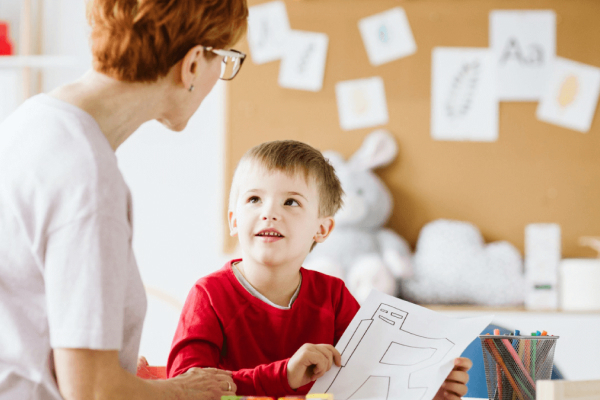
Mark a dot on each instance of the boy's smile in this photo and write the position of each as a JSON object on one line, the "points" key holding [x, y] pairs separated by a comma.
{"points": [[276, 217]]}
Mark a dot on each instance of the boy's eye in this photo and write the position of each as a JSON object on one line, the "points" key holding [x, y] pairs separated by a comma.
{"points": [[254, 199], [291, 202]]}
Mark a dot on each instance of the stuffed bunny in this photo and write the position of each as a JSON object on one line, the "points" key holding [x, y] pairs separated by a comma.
{"points": [[360, 250]]}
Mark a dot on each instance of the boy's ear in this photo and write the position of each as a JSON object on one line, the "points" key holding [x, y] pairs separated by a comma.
{"points": [[325, 229], [233, 230]]}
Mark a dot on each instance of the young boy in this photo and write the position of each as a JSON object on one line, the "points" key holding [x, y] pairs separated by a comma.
{"points": [[264, 317]]}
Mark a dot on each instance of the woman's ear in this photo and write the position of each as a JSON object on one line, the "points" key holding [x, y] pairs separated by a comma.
{"points": [[190, 66], [325, 229], [233, 230]]}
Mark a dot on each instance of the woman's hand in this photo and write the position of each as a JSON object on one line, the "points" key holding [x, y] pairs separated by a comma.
{"points": [[310, 362], [205, 384], [455, 385]]}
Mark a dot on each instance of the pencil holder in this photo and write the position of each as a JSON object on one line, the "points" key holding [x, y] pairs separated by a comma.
{"points": [[513, 364]]}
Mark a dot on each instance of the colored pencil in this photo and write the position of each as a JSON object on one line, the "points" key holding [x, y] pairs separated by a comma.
{"points": [[500, 363]]}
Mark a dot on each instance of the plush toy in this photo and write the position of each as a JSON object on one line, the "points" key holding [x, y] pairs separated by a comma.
{"points": [[452, 264], [360, 250]]}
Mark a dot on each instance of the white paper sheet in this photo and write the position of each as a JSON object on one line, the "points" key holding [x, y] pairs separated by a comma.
{"points": [[571, 96], [387, 36], [268, 29], [361, 103], [303, 63], [394, 349], [464, 105], [524, 45]]}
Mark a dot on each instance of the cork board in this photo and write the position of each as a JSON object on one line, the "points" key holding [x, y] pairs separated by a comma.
{"points": [[535, 172]]}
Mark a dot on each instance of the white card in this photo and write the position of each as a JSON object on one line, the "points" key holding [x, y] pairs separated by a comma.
{"points": [[268, 28], [571, 95], [303, 64], [361, 103], [394, 349], [464, 104], [524, 46], [387, 36]]}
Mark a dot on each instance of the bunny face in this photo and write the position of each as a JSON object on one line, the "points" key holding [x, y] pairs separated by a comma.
{"points": [[367, 201]]}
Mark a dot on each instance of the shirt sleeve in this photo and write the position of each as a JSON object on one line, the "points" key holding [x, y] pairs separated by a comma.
{"points": [[198, 339], [345, 309], [85, 275]]}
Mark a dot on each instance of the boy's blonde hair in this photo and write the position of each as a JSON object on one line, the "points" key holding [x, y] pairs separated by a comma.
{"points": [[292, 157]]}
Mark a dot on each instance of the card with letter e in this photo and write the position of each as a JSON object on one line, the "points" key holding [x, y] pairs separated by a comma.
{"points": [[303, 63], [571, 96], [387, 36], [361, 103], [268, 29]]}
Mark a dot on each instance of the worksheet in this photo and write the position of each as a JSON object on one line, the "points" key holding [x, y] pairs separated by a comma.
{"points": [[268, 30], [387, 36], [464, 105], [571, 95], [303, 63], [524, 46], [394, 349], [361, 103]]}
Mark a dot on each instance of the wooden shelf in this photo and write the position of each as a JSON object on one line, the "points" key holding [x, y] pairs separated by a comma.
{"points": [[43, 62]]}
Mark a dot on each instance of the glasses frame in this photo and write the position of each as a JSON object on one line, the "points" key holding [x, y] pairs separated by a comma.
{"points": [[228, 53]]}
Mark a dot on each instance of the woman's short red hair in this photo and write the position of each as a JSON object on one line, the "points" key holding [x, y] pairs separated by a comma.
{"points": [[140, 40]]}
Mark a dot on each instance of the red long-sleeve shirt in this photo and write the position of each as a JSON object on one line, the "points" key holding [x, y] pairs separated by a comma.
{"points": [[223, 326]]}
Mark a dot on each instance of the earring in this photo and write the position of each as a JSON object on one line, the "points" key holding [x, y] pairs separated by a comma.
{"points": [[191, 88]]}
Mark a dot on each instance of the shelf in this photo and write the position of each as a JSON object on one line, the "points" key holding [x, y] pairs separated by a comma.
{"points": [[521, 309], [43, 62]]}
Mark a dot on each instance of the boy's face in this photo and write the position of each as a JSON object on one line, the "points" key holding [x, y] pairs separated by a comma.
{"points": [[276, 217]]}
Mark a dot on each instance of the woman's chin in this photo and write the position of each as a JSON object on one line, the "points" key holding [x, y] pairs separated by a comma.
{"points": [[175, 127]]}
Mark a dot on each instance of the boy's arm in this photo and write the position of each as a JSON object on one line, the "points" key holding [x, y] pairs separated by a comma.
{"points": [[266, 380], [198, 338]]}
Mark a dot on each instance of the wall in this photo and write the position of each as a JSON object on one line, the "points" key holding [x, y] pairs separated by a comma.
{"points": [[175, 181]]}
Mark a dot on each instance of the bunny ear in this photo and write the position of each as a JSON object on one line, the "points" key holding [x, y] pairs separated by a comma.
{"points": [[378, 149], [334, 158]]}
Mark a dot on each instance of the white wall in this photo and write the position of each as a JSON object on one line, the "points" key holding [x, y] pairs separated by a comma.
{"points": [[175, 181]]}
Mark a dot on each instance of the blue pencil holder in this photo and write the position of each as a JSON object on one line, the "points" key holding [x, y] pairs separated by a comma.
{"points": [[513, 364]]}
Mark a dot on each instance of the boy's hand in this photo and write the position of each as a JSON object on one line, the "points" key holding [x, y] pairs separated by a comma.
{"points": [[310, 362], [455, 385]]}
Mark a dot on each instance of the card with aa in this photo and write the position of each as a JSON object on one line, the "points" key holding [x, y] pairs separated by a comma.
{"points": [[303, 63], [464, 105], [361, 103], [572, 94], [268, 29], [387, 36], [524, 46]]}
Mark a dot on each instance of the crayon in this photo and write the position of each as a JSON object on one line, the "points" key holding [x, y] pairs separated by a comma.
{"points": [[544, 333], [497, 332]]}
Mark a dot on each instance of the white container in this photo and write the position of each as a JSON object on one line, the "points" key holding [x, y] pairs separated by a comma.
{"points": [[580, 284]]}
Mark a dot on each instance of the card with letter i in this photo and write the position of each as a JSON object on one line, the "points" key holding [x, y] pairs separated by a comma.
{"points": [[387, 36]]}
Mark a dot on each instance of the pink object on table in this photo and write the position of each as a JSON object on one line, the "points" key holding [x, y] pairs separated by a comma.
{"points": [[6, 47]]}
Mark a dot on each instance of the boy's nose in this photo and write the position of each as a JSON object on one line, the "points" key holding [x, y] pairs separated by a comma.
{"points": [[268, 217]]}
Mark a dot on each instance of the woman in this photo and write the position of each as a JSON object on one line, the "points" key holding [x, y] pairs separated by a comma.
{"points": [[72, 302]]}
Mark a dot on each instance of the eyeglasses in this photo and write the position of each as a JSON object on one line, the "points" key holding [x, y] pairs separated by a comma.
{"points": [[232, 62]]}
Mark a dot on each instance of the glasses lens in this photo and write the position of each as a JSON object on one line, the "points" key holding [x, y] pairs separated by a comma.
{"points": [[230, 67]]}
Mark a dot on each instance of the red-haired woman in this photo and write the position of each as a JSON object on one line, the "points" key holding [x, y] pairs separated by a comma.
{"points": [[72, 303]]}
